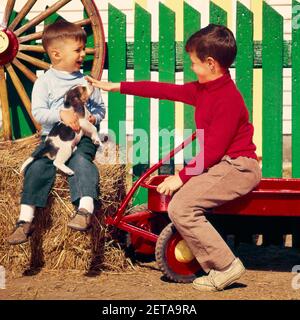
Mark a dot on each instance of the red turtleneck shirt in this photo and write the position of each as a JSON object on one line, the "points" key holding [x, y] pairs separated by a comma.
{"points": [[219, 110]]}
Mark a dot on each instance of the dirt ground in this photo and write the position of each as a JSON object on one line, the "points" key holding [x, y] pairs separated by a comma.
{"points": [[269, 276]]}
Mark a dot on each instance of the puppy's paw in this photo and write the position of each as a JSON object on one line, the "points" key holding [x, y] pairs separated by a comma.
{"points": [[104, 138], [97, 142], [69, 172], [63, 168]]}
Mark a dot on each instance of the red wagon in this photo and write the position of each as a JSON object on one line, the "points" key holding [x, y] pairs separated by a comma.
{"points": [[151, 231]]}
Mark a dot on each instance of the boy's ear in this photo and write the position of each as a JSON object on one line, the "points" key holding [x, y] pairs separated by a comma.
{"points": [[212, 64], [54, 53], [210, 61]]}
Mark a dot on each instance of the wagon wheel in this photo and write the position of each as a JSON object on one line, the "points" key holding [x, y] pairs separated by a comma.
{"points": [[16, 47], [137, 246], [174, 258]]}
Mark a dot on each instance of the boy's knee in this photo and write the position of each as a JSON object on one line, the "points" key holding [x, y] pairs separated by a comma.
{"points": [[40, 167], [181, 211], [80, 164], [78, 161], [175, 209]]}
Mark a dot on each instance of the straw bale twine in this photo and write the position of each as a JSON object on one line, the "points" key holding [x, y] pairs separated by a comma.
{"points": [[53, 245]]}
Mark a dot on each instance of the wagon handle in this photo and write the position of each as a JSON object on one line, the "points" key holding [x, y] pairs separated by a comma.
{"points": [[115, 220]]}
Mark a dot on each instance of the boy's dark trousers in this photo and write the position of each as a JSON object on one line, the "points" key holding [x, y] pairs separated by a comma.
{"points": [[40, 176]]}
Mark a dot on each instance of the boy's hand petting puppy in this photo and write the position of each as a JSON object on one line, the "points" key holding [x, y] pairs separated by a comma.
{"points": [[70, 118], [106, 86]]}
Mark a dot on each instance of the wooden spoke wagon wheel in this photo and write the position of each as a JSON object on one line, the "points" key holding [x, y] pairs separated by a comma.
{"points": [[19, 50]]}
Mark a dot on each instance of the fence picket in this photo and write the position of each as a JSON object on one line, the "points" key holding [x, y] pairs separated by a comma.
{"points": [[245, 55], [217, 15], [295, 96], [192, 23], [272, 62], [166, 66], [117, 73], [142, 58]]}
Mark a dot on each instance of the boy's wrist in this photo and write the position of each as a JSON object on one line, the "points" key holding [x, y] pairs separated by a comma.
{"points": [[183, 176], [118, 86], [122, 85]]}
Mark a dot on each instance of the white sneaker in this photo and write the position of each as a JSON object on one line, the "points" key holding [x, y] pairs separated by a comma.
{"points": [[219, 280]]}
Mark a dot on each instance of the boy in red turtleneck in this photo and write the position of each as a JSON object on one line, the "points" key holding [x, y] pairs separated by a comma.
{"points": [[225, 168]]}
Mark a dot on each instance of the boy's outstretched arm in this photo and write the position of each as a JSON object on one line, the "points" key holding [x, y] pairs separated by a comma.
{"points": [[106, 86], [185, 93]]}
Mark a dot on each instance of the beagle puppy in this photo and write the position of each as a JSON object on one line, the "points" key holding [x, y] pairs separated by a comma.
{"points": [[62, 140]]}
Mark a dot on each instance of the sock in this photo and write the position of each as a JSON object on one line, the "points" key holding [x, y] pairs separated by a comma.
{"points": [[26, 213], [87, 203], [227, 268]]}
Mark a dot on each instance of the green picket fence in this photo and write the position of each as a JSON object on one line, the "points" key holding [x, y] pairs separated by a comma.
{"points": [[168, 57]]}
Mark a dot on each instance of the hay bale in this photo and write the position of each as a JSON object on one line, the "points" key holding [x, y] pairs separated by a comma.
{"points": [[53, 245]]}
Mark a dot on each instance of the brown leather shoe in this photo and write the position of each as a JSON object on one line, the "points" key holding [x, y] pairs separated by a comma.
{"points": [[81, 221], [21, 234]]}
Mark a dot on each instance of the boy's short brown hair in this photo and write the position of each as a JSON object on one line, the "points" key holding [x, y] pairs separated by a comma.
{"points": [[60, 30], [214, 41]]}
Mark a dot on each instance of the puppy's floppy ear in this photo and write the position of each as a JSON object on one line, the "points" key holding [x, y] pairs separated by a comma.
{"points": [[72, 96], [75, 102], [66, 101]]}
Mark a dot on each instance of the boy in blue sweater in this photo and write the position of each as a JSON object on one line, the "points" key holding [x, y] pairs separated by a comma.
{"points": [[64, 42]]}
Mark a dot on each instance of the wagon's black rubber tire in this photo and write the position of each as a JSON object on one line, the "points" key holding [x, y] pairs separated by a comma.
{"points": [[160, 254], [136, 256]]}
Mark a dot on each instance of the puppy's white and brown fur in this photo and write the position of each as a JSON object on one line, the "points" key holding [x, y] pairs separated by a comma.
{"points": [[62, 139]]}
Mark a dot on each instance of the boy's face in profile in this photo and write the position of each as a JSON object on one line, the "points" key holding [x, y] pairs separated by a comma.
{"points": [[68, 55], [200, 68]]}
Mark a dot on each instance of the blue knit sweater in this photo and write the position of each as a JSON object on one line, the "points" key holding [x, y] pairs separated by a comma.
{"points": [[48, 95]]}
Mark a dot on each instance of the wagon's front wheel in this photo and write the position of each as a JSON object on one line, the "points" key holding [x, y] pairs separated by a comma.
{"points": [[174, 258]]}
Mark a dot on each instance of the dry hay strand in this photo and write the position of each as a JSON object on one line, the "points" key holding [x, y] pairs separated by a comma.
{"points": [[53, 245]]}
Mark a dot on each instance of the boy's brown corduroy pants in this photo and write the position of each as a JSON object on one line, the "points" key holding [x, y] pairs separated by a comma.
{"points": [[227, 180]]}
